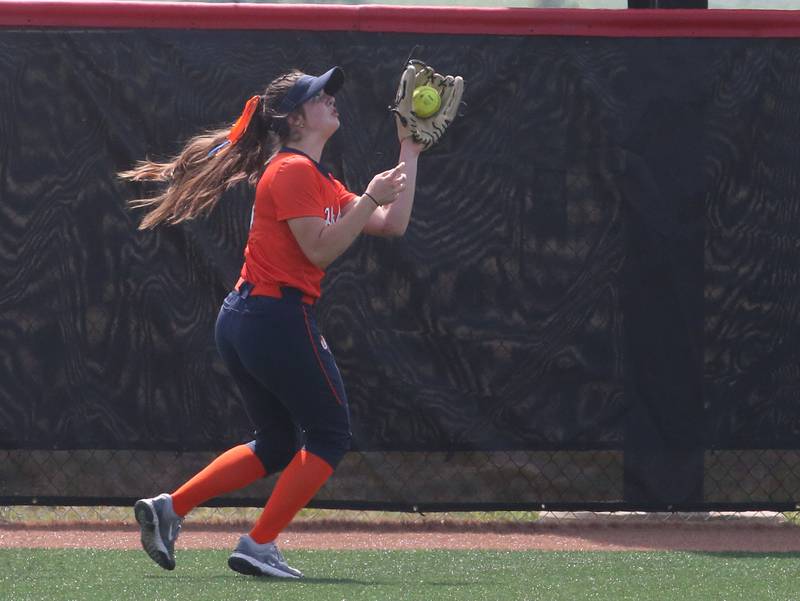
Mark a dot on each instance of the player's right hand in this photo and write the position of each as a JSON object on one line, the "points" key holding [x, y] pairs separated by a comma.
{"points": [[387, 186]]}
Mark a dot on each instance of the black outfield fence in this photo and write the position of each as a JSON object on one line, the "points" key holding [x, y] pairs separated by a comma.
{"points": [[595, 305]]}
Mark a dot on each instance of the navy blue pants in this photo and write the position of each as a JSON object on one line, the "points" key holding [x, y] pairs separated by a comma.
{"points": [[288, 378]]}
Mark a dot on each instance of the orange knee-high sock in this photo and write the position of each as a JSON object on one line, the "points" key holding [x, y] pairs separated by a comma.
{"points": [[234, 469], [297, 485]]}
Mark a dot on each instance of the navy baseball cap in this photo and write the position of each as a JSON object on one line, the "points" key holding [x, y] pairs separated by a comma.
{"points": [[309, 86]]}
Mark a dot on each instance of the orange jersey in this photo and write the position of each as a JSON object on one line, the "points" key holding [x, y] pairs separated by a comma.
{"points": [[293, 185]]}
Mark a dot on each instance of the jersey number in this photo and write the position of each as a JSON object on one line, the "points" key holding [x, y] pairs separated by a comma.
{"points": [[330, 218]]}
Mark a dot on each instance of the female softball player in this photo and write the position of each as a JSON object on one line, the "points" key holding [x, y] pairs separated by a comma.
{"points": [[266, 332]]}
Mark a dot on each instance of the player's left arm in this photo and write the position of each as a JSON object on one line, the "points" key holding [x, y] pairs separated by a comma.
{"points": [[391, 221]]}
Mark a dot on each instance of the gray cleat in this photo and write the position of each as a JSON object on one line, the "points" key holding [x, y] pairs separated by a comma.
{"points": [[253, 559], [160, 528]]}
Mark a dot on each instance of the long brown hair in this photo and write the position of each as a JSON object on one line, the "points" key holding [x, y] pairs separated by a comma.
{"points": [[197, 176]]}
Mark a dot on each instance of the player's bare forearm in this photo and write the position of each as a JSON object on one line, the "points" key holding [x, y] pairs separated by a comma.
{"points": [[392, 220]]}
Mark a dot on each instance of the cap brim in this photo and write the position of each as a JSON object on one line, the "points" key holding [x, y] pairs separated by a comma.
{"points": [[335, 81], [331, 81]]}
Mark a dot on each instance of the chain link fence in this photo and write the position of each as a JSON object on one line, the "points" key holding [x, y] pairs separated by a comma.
{"points": [[411, 489]]}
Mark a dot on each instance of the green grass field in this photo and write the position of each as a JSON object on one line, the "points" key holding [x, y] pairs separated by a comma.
{"points": [[89, 575]]}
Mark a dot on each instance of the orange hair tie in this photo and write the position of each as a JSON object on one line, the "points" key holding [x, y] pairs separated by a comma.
{"points": [[238, 129]]}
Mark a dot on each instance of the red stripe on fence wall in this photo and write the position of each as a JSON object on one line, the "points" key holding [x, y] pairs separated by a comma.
{"points": [[451, 20]]}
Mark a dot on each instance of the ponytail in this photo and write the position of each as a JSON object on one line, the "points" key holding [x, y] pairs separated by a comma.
{"points": [[215, 161]]}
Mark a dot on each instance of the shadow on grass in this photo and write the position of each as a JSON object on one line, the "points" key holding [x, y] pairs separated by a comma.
{"points": [[312, 581], [268, 581]]}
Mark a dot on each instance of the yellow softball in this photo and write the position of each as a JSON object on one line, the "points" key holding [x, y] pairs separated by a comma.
{"points": [[426, 101]]}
